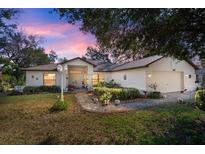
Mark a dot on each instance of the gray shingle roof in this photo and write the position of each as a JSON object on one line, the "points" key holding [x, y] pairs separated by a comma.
{"points": [[100, 66], [47, 67], [138, 63]]}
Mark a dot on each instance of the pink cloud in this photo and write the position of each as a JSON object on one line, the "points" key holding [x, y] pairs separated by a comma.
{"points": [[77, 44], [47, 30], [65, 39]]}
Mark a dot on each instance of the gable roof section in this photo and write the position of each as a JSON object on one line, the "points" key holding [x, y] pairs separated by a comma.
{"points": [[47, 67], [52, 67], [85, 60]]}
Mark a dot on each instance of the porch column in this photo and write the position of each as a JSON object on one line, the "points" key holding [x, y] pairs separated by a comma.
{"points": [[90, 83]]}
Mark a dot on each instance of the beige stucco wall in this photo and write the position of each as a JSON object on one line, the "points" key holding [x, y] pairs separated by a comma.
{"points": [[167, 65], [38, 78], [136, 78]]}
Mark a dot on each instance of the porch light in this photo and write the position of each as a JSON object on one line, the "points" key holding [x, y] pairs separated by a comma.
{"points": [[60, 70], [149, 75], [186, 75]]}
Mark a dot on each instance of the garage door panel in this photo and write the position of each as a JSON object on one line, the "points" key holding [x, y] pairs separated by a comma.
{"points": [[167, 81]]}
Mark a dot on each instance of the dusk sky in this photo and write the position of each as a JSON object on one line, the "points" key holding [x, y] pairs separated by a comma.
{"points": [[65, 39]]}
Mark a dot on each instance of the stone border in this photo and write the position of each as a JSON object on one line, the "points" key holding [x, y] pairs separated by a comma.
{"points": [[88, 105]]}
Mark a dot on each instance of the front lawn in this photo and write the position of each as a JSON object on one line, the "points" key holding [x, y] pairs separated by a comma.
{"points": [[26, 120]]}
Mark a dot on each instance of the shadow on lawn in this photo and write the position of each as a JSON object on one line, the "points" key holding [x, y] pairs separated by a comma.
{"points": [[187, 128], [50, 140], [177, 124], [183, 131]]}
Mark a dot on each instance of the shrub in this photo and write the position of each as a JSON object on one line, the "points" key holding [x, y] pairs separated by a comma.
{"points": [[59, 106], [105, 98], [14, 93], [199, 88], [51, 89], [154, 94], [100, 84], [29, 90], [200, 99], [34, 90], [110, 84], [118, 93], [132, 93]]}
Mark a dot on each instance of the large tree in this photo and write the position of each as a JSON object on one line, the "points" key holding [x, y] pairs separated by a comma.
{"points": [[111, 54], [61, 60], [24, 50], [170, 32], [97, 54], [5, 25], [52, 56]]}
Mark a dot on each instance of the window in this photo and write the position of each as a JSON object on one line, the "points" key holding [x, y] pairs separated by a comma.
{"points": [[125, 77], [97, 78], [49, 79]]}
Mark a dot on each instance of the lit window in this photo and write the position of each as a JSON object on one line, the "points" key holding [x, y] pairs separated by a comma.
{"points": [[97, 78], [49, 79]]}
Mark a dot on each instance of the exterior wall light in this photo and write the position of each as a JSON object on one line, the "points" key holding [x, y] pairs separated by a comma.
{"points": [[149, 75]]}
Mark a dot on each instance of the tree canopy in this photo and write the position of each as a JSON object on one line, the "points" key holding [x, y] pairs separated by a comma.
{"points": [[52, 56], [6, 15], [24, 50], [97, 54], [169, 32]]}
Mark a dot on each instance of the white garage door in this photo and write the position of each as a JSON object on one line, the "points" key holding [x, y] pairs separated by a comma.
{"points": [[168, 81]]}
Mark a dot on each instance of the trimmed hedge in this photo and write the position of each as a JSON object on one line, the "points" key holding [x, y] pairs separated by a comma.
{"points": [[154, 94], [118, 93], [34, 90], [110, 84], [200, 99]]}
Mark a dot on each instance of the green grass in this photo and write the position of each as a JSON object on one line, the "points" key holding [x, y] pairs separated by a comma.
{"points": [[27, 120]]}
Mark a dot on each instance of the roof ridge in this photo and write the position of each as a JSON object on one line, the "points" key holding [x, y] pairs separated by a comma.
{"points": [[136, 61]]}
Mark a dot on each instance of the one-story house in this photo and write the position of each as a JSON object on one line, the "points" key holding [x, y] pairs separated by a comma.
{"points": [[166, 73]]}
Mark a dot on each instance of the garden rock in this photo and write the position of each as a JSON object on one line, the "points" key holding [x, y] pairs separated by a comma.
{"points": [[117, 102]]}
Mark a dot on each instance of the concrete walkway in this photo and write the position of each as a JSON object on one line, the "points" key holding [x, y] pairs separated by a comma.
{"points": [[87, 104]]}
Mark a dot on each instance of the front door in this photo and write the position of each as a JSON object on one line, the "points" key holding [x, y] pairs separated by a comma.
{"points": [[76, 80]]}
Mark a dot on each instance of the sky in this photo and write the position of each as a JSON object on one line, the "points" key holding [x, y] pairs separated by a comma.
{"points": [[65, 39]]}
